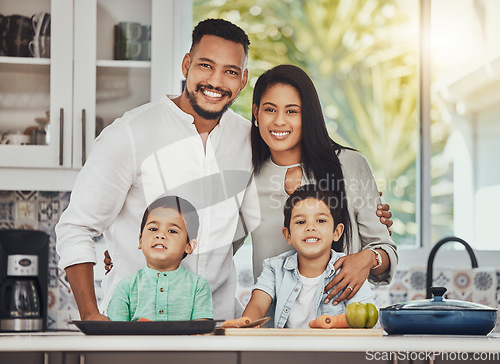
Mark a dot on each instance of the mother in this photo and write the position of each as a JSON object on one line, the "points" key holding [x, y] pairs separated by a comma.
{"points": [[290, 148]]}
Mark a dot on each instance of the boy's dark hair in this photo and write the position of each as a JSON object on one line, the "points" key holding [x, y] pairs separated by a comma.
{"points": [[220, 28], [331, 199], [183, 207]]}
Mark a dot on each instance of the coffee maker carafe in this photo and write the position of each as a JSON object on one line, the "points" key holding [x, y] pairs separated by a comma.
{"points": [[23, 281]]}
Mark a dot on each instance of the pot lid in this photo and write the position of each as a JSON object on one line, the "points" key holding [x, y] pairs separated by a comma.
{"points": [[438, 303]]}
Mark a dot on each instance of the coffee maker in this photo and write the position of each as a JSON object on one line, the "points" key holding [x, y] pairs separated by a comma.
{"points": [[24, 261]]}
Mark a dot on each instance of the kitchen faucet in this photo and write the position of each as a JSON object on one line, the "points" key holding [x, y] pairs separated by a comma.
{"points": [[432, 255]]}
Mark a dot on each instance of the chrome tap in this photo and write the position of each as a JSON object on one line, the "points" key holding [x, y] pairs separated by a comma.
{"points": [[433, 252]]}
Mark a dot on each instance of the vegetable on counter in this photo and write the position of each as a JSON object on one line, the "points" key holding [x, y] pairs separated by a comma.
{"points": [[361, 315], [329, 322], [236, 322]]}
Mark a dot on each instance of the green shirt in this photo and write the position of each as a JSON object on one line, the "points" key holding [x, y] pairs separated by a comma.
{"points": [[177, 295]]}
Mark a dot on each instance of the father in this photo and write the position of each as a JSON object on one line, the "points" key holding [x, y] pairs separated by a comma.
{"points": [[191, 146]]}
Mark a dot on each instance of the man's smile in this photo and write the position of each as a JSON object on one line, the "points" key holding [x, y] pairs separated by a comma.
{"points": [[212, 92]]}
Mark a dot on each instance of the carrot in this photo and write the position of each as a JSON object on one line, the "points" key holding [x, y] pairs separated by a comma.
{"points": [[329, 322], [142, 319], [236, 322]]}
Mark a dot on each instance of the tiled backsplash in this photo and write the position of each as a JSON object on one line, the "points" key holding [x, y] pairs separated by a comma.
{"points": [[41, 210]]}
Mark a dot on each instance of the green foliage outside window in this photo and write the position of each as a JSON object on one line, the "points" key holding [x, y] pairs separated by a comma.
{"points": [[363, 58]]}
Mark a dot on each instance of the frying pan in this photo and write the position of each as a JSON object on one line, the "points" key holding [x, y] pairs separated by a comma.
{"points": [[438, 315], [146, 328]]}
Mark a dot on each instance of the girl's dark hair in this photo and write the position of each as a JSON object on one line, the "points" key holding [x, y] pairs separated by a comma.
{"points": [[331, 199], [183, 207], [220, 28], [319, 152]]}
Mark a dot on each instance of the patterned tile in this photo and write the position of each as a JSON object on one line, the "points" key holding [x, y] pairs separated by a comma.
{"points": [[53, 278], [7, 225], [7, 211], [483, 281], [48, 211], [245, 278], [26, 195], [26, 210], [244, 296], [65, 196], [462, 280], [398, 293], [441, 279], [5, 195], [66, 300], [49, 195], [53, 257], [417, 279]]}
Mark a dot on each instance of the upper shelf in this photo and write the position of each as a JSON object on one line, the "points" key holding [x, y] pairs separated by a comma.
{"points": [[25, 60], [100, 63], [123, 64]]}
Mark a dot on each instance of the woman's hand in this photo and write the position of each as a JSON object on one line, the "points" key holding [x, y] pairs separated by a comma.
{"points": [[385, 215], [108, 263], [355, 270]]}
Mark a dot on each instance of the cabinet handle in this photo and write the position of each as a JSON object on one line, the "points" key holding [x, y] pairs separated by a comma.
{"points": [[84, 136], [61, 136]]}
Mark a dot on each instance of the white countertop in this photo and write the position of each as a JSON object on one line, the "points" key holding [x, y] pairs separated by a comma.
{"points": [[75, 341]]}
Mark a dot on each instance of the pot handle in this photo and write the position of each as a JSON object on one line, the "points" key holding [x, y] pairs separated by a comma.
{"points": [[438, 291]]}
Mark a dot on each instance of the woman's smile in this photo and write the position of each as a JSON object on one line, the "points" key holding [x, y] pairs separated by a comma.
{"points": [[280, 134]]}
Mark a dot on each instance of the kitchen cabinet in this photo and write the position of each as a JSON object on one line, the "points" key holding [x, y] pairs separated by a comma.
{"points": [[31, 86], [81, 85]]}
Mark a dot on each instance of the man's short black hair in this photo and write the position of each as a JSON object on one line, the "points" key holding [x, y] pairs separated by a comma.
{"points": [[220, 28]]}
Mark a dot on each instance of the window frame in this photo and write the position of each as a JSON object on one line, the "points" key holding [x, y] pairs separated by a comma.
{"points": [[418, 256]]}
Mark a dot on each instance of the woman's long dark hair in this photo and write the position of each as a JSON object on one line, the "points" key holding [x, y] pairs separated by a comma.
{"points": [[319, 152]]}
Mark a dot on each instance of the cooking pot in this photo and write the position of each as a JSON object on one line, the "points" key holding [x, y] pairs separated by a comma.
{"points": [[438, 315]]}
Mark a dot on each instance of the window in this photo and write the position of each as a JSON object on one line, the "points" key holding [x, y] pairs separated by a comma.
{"points": [[411, 84], [465, 55]]}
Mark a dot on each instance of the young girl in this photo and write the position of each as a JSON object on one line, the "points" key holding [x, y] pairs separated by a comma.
{"points": [[291, 147]]}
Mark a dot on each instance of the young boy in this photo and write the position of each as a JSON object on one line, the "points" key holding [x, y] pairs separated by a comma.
{"points": [[164, 290], [292, 283]]}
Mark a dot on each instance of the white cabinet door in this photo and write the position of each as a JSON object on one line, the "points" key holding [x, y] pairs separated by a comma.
{"points": [[106, 87], [31, 87], [82, 84]]}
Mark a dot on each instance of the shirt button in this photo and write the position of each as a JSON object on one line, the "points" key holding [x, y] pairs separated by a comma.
{"points": [[286, 310], [164, 274], [161, 289], [161, 311], [296, 289]]}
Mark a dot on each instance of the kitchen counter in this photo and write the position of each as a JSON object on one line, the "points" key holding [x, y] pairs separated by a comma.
{"points": [[244, 348], [76, 341]]}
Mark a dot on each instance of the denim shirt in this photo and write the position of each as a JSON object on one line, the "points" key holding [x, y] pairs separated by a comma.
{"points": [[280, 280]]}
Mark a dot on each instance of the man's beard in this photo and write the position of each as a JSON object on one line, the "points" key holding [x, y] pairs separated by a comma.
{"points": [[206, 114]]}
